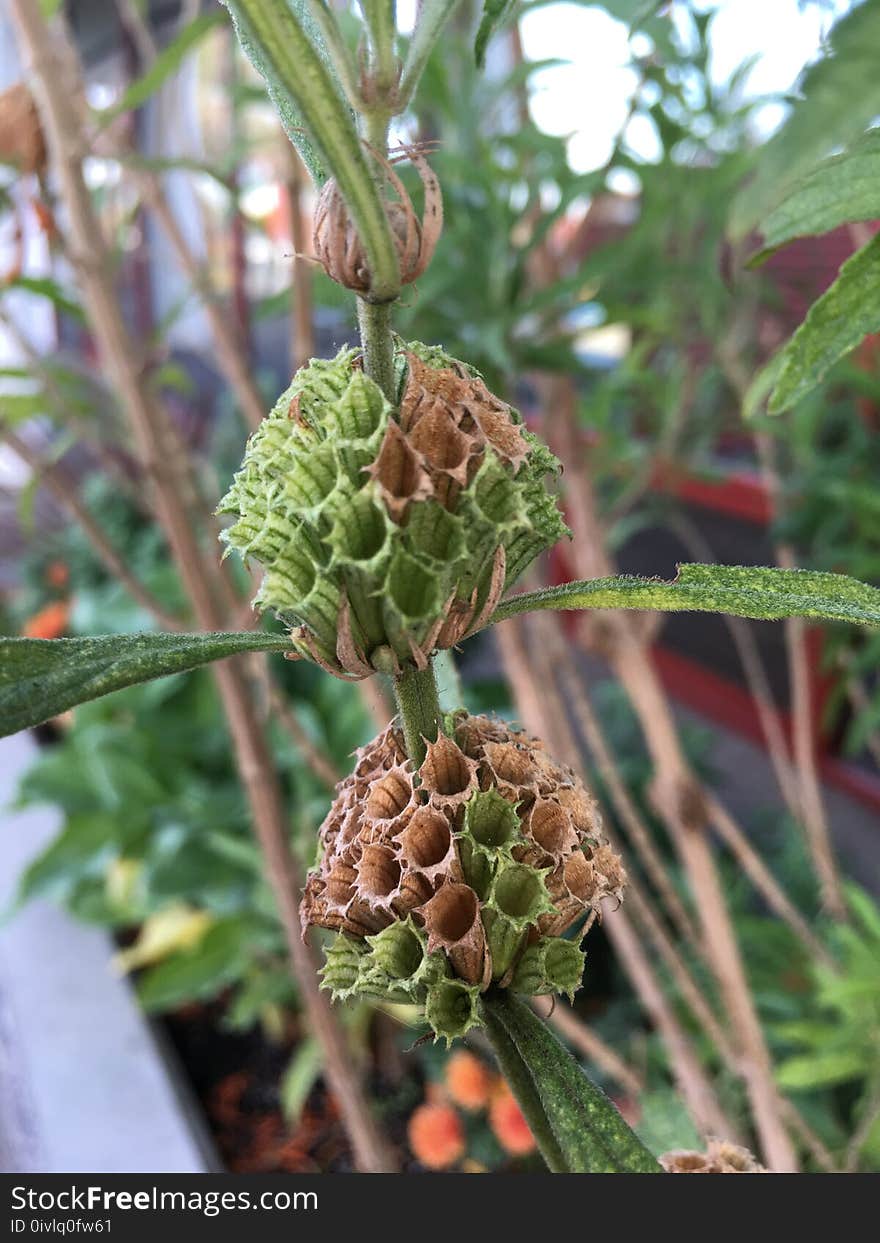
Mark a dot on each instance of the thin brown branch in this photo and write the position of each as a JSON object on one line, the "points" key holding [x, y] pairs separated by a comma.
{"points": [[541, 709], [59, 92], [677, 795], [231, 358], [627, 812], [759, 687], [64, 491], [318, 761], [764, 881]]}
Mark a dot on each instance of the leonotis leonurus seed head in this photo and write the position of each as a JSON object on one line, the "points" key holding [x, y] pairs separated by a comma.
{"points": [[387, 532], [720, 1157], [465, 873]]}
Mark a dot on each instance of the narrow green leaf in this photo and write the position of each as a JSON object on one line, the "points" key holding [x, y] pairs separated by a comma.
{"points": [[165, 64], [841, 318], [45, 287], [840, 97], [306, 95], [302, 1073], [820, 1070], [495, 14], [19, 407], [574, 1123], [841, 189], [41, 677], [431, 18], [762, 592]]}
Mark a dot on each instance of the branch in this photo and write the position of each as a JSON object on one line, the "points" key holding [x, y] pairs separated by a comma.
{"points": [[64, 491], [59, 92]]}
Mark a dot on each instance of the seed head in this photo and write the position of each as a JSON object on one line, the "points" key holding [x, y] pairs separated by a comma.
{"points": [[443, 881], [387, 532], [720, 1157]]}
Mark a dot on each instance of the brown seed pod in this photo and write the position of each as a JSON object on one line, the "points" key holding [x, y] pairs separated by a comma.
{"points": [[338, 246], [720, 1157], [21, 135], [475, 852]]}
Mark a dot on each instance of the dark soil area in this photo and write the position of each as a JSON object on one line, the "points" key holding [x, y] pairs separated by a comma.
{"points": [[236, 1077]]}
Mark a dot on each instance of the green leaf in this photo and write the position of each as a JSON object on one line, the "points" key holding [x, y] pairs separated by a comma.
{"points": [[165, 64], [576, 1126], [305, 92], [41, 677], [841, 318], [45, 287], [202, 972], [743, 590], [299, 1078], [84, 840], [495, 14], [432, 16], [820, 1070], [839, 190], [19, 407], [840, 98]]}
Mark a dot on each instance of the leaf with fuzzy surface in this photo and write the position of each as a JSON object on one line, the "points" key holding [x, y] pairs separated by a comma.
{"points": [[840, 190], [840, 98], [761, 592], [835, 324], [577, 1128], [41, 677]]}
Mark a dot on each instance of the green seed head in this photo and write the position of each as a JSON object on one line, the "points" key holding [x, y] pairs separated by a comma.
{"points": [[386, 531], [462, 875]]}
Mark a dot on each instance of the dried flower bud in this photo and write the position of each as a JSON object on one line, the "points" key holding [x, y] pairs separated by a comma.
{"points": [[338, 246], [720, 1157], [443, 881], [387, 533], [21, 136]]}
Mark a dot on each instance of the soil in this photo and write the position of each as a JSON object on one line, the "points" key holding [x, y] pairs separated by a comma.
{"points": [[236, 1077]]}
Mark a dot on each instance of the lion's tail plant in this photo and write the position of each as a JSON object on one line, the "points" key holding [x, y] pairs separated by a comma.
{"points": [[391, 500]]}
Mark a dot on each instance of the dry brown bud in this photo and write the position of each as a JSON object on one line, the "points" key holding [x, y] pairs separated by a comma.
{"points": [[338, 246]]}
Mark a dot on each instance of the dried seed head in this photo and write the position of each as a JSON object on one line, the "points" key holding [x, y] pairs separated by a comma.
{"points": [[454, 878], [720, 1157], [21, 136], [385, 532], [338, 246]]}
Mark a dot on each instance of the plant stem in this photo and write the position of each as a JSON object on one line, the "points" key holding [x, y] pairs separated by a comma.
{"points": [[419, 705], [576, 1127], [374, 319], [374, 322]]}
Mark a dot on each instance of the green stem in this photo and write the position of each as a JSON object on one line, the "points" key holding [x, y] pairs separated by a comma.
{"points": [[374, 322], [419, 707], [374, 319], [576, 1127]]}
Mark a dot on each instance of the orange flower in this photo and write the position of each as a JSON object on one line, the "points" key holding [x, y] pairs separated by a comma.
{"points": [[436, 1136], [49, 623], [57, 574], [508, 1125], [468, 1080]]}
